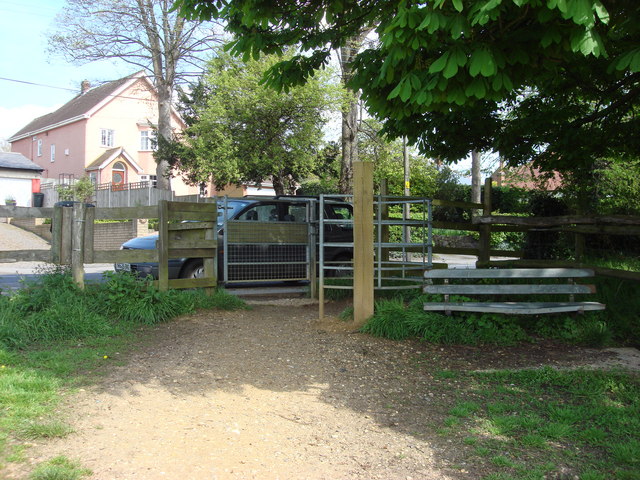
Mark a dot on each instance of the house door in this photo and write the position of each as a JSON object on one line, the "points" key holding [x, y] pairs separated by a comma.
{"points": [[118, 176]]}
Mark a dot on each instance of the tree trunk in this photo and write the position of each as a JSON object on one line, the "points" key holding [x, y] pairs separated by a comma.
{"points": [[476, 181], [349, 113], [349, 144], [163, 172]]}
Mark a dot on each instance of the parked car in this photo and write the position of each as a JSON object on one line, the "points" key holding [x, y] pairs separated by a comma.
{"points": [[277, 257]]}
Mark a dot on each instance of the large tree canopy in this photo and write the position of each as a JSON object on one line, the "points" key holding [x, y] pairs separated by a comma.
{"points": [[243, 132], [464, 66]]}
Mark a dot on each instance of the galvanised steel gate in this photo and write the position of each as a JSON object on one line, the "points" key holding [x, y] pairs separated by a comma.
{"points": [[274, 240]]}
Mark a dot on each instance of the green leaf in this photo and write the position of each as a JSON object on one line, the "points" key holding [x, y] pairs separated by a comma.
{"points": [[587, 42], [396, 91], [459, 56], [551, 35], [630, 60], [479, 58], [457, 26], [488, 68], [581, 12], [601, 11], [439, 64], [451, 69], [457, 4], [405, 93], [476, 88]]}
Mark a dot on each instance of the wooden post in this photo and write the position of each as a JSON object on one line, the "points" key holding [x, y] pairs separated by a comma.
{"points": [[65, 235], [77, 244], [485, 229], [89, 216], [163, 246], [56, 235], [210, 263], [362, 242]]}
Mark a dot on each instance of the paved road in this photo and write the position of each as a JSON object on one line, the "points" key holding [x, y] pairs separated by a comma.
{"points": [[12, 273]]}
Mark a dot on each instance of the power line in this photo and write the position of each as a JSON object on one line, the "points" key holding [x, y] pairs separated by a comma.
{"points": [[37, 84]]}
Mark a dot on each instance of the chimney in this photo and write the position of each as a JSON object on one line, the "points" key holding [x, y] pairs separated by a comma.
{"points": [[85, 86]]}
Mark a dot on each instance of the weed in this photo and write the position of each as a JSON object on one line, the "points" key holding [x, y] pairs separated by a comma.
{"points": [[59, 468], [51, 429]]}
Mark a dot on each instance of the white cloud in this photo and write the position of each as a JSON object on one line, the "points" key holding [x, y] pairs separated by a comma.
{"points": [[13, 119]]}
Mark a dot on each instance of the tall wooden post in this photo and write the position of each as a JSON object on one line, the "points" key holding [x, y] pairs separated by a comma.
{"points": [[362, 242], [163, 246], [77, 244], [485, 229]]}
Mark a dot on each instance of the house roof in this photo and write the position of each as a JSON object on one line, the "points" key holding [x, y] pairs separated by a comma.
{"points": [[109, 156], [80, 107], [17, 161]]}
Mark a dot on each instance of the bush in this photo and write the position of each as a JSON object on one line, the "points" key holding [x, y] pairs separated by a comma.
{"points": [[53, 308], [397, 320]]}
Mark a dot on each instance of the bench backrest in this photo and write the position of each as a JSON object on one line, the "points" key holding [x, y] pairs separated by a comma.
{"points": [[506, 274]]}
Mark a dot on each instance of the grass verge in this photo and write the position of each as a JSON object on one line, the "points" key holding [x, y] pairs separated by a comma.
{"points": [[546, 423]]}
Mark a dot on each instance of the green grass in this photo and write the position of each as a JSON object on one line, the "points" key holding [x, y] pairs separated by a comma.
{"points": [[585, 422], [55, 337], [59, 468]]}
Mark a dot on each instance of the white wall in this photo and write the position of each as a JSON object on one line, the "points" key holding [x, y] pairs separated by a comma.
{"points": [[18, 188]]}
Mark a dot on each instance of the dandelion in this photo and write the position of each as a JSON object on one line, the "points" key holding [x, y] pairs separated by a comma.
{"points": [[105, 357]]}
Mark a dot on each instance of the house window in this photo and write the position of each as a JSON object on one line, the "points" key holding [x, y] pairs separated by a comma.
{"points": [[53, 152], [146, 140], [93, 176], [106, 138], [39, 147]]}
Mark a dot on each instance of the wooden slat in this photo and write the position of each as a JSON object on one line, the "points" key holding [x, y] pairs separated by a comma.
{"points": [[195, 243], [210, 208], [126, 213], [25, 256], [521, 308], [191, 226], [510, 273], [195, 216], [26, 212], [125, 256], [267, 232], [562, 220], [508, 289]]}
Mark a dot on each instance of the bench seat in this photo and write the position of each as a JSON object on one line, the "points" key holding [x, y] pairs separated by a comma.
{"points": [[510, 282]]}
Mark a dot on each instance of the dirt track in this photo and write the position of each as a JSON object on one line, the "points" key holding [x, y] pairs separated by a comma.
{"points": [[273, 393]]}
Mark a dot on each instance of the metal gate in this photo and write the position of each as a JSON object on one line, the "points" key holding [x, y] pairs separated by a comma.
{"points": [[275, 241]]}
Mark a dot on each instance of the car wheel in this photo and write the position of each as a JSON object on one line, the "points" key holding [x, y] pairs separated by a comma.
{"points": [[193, 269]]}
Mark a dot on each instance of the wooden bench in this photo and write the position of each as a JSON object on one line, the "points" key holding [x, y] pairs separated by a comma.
{"points": [[466, 283]]}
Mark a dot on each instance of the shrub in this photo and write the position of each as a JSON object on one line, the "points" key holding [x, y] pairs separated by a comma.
{"points": [[53, 308]]}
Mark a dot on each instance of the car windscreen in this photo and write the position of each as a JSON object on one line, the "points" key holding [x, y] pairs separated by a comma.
{"points": [[233, 207]]}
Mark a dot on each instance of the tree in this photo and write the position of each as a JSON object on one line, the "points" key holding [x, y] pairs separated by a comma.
{"points": [[387, 156], [458, 60], [144, 33], [242, 131]]}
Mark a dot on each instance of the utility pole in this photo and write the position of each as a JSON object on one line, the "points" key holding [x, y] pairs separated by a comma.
{"points": [[407, 192]]}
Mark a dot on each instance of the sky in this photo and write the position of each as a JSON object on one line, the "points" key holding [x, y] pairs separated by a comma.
{"points": [[33, 82]]}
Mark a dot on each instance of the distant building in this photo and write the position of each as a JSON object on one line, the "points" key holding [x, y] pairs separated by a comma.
{"points": [[527, 177], [19, 179], [104, 132]]}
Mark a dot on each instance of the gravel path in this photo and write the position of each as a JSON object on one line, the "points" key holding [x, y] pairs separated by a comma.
{"points": [[274, 393], [14, 238]]}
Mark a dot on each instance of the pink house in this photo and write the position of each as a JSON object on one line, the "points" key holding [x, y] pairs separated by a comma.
{"points": [[105, 132]]}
